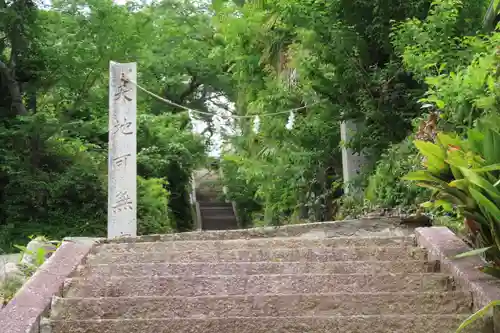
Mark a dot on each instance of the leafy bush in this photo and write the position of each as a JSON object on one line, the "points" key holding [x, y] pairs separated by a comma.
{"points": [[54, 132], [385, 186], [463, 174], [152, 209], [240, 191], [8, 289], [60, 189], [481, 313], [64, 195], [12, 283], [168, 150], [352, 206], [459, 66]]}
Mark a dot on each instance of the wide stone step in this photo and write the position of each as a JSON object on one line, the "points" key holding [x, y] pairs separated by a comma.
{"points": [[338, 324], [218, 215], [218, 218], [217, 210], [97, 286], [259, 268], [359, 228], [262, 243], [214, 205], [219, 224], [261, 306], [322, 254]]}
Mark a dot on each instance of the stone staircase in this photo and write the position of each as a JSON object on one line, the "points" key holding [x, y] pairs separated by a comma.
{"points": [[217, 215], [214, 213], [250, 282]]}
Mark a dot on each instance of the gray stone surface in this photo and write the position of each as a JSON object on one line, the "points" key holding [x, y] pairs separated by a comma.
{"points": [[333, 304], [256, 268], [361, 227], [258, 243], [99, 286], [338, 324], [316, 278], [444, 245], [323, 254], [122, 150], [23, 313], [352, 162], [12, 270]]}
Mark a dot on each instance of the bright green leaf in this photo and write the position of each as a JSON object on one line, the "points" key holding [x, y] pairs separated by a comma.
{"points": [[472, 253]]}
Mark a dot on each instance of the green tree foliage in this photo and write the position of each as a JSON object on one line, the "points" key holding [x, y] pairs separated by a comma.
{"points": [[53, 111], [376, 62], [450, 53], [458, 65], [372, 62], [341, 55], [385, 188]]}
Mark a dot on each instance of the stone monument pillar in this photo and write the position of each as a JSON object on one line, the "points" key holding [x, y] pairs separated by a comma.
{"points": [[122, 162], [351, 162]]}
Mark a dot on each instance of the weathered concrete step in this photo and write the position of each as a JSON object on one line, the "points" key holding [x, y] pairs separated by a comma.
{"points": [[214, 205], [209, 196], [216, 209], [210, 211], [261, 306], [339, 324], [229, 224], [321, 254], [210, 225], [259, 268], [98, 286], [361, 228], [262, 243], [218, 217]]}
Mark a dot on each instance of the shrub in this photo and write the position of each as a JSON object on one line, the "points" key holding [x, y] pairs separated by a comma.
{"points": [[33, 256], [152, 209], [385, 186], [463, 174]]}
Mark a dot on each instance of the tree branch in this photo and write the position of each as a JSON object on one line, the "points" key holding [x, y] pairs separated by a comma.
{"points": [[192, 86], [14, 90]]}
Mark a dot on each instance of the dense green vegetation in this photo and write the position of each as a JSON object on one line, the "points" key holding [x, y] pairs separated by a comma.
{"points": [[54, 112], [385, 64]]}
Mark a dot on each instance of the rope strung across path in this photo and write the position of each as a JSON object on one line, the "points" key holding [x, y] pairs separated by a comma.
{"points": [[211, 114]]}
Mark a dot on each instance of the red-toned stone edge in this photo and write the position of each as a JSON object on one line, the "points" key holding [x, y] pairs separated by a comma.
{"points": [[443, 245], [23, 313]]}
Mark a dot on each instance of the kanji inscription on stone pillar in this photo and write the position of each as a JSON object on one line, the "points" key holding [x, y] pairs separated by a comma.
{"points": [[122, 162]]}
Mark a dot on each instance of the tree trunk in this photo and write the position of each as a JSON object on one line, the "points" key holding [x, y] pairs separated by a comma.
{"points": [[490, 19], [303, 211], [14, 90]]}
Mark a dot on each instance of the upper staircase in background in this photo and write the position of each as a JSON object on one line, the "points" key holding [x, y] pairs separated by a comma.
{"points": [[212, 210]]}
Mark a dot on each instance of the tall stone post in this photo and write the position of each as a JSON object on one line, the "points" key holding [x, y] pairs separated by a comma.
{"points": [[122, 156], [351, 162]]}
